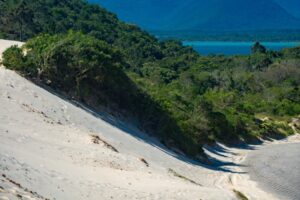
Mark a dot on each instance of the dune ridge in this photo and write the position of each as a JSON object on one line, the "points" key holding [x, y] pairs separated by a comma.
{"points": [[53, 149]]}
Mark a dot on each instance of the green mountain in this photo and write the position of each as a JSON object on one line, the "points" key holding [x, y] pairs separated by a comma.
{"points": [[184, 99]]}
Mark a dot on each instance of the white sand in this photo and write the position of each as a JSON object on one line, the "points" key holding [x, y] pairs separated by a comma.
{"points": [[47, 152]]}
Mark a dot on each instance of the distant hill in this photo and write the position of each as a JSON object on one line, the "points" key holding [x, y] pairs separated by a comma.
{"points": [[292, 6], [204, 15]]}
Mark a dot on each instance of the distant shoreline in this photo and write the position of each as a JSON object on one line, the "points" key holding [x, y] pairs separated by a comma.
{"points": [[246, 43], [230, 36], [230, 48]]}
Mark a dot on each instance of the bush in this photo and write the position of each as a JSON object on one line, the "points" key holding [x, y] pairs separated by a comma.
{"points": [[258, 48], [260, 61], [292, 52], [13, 58]]}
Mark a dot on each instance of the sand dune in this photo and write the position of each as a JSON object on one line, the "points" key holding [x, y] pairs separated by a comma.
{"points": [[52, 149], [276, 167]]}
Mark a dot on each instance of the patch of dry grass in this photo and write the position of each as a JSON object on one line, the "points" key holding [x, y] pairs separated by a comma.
{"points": [[240, 195], [96, 140], [183, 177]]}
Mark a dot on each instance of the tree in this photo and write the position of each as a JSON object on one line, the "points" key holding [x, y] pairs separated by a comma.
{"points": [[258, 48]]}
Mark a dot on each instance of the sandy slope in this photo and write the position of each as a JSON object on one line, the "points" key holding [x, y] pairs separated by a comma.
{"points": [[277, 168], [51, 149]]}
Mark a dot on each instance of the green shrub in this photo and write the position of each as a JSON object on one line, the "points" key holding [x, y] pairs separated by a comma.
{"points": [[274, 129], [13, 58], [291, 52], [258, 48]]}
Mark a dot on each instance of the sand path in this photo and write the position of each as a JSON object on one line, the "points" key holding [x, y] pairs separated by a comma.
{"points": [[277, 168]]}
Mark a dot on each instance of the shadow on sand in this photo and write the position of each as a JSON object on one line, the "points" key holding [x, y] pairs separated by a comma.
{"points": [[210, 162]]}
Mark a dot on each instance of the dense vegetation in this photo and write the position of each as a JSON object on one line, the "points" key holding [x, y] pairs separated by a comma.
{"points": [[183, 98], [89, 70]]}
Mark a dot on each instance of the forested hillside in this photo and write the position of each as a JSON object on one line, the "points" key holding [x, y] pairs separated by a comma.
{"points": [[183, 98]]}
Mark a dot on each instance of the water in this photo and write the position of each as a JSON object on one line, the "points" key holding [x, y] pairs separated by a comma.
{"points": [[234, 48]]}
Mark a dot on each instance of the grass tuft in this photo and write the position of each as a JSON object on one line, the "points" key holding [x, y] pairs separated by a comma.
{"points": [[183, 177], [240, 195]]}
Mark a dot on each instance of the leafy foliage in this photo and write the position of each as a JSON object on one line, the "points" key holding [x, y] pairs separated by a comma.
{"points": [[258, 48], [13, 58]]}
